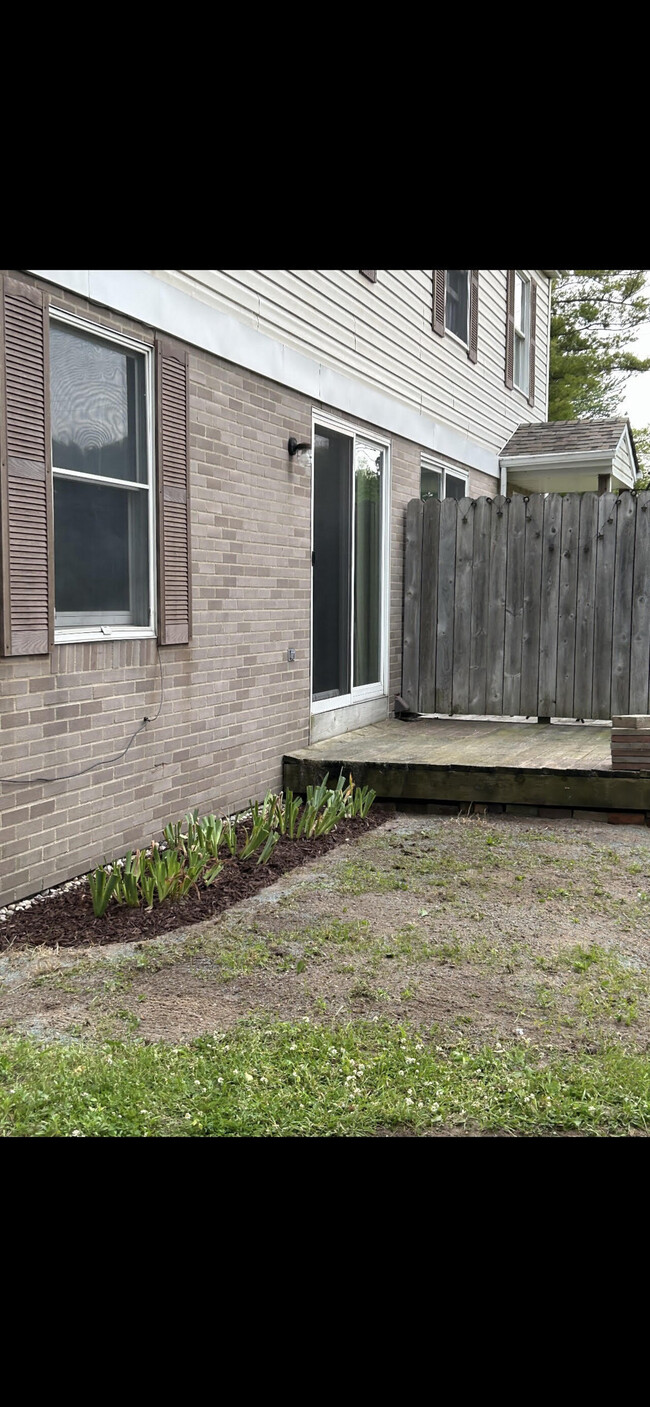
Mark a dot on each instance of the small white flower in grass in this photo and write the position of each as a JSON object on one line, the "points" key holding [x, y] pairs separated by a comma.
{"points": [[197, 1082], [219, 1079], [592, 1109], [410, 1060], [408, 1101], [248, 1077], [400, 1072], [263, 1080], [293, 1046], [435, 1108], [409, 1091], [188, 1116]]}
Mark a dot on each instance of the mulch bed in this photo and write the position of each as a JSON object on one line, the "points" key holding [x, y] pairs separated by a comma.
{"points": [[66, 919]]}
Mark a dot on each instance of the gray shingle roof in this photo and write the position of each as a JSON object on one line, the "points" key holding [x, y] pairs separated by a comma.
{"points": [[566, 436]]}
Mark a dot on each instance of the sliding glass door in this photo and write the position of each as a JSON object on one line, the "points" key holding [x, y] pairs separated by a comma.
{"points": [[349, 590]]}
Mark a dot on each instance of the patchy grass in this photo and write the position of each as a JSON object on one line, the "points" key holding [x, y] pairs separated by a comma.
{"points": [[287, 1078]]}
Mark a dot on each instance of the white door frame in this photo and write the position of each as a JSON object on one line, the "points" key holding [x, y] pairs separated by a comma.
{"points": [[380, 689]]}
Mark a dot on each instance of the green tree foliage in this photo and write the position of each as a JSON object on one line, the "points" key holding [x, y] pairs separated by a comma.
{"points": [[642, 446], [595, 314]]}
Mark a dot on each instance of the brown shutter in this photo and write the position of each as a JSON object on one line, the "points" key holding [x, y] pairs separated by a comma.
{"points": [[25, 471], [369, 273], [473, 315], [438, 319], [173, 457], [533, 336], [510, 330]]}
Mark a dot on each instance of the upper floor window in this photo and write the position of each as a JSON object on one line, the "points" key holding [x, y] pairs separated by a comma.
{"points": [[102, 472], [457, 303], [521, 331]]}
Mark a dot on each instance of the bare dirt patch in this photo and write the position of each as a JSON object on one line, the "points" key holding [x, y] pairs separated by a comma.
{"points": [[485, 930]]}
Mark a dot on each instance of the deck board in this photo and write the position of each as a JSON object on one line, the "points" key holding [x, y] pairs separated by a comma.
{"points": [[458, 759]]}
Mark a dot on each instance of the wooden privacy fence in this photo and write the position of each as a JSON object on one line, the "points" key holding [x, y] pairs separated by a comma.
{"points": [[533, 605]]}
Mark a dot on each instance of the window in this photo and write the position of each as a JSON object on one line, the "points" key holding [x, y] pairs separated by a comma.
{"points": [[457, 303], [438, 482], [521, 330], [350, 505], [102, 471]]}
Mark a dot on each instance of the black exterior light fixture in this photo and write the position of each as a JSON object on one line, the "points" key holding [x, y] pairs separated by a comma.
{"points": [[294, 448]]}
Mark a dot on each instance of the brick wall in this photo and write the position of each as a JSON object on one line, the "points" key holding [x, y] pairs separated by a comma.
{"points": [[232, 704]]}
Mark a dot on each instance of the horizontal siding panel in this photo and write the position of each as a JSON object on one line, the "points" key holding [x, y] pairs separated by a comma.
{"points": [[381, 333]]}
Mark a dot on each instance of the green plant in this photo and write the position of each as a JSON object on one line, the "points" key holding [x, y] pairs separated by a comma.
{"points": [[103, 883]]}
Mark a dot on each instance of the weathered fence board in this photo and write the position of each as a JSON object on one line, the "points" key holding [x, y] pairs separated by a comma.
{"points": [[532, 595], [640, 647], [429, 605], [497, 605], [566, 635], [463, 603], [585, 606], [446, 593], [533, 606], [604, 607], [514, 606], [412, 579], [480, 599], [623, 584], [549, 604]]}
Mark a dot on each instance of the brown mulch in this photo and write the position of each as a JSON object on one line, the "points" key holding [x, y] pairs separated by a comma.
{"points": [[66, 919]]}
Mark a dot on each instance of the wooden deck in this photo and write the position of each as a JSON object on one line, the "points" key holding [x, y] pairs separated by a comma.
{"points": [[449, 760]]}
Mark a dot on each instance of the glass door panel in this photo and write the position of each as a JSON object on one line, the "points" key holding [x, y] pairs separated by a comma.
{"points": [[332, 563], [368, 494]]}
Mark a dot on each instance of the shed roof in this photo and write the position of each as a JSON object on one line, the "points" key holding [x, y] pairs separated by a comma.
{"points": [[567, 437]]}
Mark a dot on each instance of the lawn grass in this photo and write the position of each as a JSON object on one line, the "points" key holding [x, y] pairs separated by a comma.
{"points": [[267, 1078]]}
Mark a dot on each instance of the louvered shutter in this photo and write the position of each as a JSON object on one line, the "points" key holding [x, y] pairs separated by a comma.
{"points": [[438, 319], [473, 315], [173, 461], [533, 340], [510, 330], [25, 471], [370, 274]]}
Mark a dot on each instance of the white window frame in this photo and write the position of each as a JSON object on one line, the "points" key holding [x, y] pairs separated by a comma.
{"points": [[428, 462], [448, 331], [522, 336], [74, 634], [363, 692]]}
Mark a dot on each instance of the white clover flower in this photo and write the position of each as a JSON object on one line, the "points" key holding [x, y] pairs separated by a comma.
{"points": [[420, 1104], [219, 1079], [408, 1101], [435, 1108], [188, 1116], [293, 1046], [248, 1077], [263, 1080]]}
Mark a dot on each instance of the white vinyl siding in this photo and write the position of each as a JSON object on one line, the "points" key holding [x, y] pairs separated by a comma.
{"points": [[381, 333]]}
